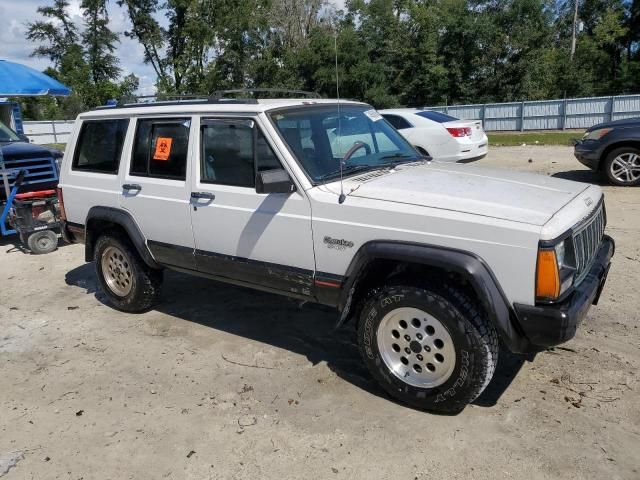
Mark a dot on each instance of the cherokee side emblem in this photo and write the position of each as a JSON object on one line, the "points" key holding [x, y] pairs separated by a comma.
{"points": [[588, 201], [337, 243]]}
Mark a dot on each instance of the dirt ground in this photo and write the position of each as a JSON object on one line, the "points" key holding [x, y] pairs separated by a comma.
{"points": [[224, 382]]}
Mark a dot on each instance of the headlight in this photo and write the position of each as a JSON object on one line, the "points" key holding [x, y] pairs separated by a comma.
{"points": [[555, 270], [596, 134]]}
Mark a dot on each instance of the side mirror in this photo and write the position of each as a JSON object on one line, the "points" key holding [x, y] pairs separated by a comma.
{"points": [[274, 181], [24, 138]]}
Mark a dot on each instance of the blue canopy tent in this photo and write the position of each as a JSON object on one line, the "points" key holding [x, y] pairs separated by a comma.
{"points": [[21, 81], [18, 80]]}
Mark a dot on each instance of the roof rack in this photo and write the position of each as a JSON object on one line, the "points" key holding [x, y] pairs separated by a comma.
{"points": [[172, 100], [217, 97]]}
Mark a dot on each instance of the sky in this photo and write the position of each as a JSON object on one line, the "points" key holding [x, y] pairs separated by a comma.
{"points": [[14, 46]]}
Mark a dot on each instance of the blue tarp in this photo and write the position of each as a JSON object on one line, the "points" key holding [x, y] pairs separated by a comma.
{"points": [[20, 81]]}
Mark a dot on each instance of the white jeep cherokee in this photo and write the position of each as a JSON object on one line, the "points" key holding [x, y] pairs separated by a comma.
{"points": [[436, 263]]}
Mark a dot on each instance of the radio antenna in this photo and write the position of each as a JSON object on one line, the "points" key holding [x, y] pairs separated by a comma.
{"points": [[342, 196]]}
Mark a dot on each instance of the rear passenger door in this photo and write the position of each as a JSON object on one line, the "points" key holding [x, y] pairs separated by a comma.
{"points": [[263, 240], [155, 187]]}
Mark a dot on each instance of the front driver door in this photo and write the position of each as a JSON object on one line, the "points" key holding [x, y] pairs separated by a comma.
{"points": [[263, 240]]}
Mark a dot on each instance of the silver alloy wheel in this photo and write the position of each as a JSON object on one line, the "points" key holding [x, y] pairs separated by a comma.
{"points": [[626, 167], [416, 347], [117, 271]]}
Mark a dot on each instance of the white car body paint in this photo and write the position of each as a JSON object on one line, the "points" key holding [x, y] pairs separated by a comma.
{"points": [[434, 138], [497, 215]]}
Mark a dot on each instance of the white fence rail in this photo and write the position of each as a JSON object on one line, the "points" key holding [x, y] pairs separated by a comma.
{"points": [[48, 131], [547, 114], [562, 114]]}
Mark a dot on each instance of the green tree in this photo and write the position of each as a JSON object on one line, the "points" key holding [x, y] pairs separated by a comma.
{"points": [[99, 42], [54, 35]]}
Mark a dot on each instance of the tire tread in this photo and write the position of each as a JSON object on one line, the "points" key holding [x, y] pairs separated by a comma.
{"points": [[148, 280]]}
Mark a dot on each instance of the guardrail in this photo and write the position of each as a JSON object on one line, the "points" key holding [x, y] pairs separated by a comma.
{"points": [[48, 131], [560, 114]]}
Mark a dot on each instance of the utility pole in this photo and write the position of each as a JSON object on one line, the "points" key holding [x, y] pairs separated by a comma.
{"points": [[575, 28]]}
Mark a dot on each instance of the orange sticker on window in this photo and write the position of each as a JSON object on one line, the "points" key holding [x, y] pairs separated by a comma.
{"points": [[163, 148]]}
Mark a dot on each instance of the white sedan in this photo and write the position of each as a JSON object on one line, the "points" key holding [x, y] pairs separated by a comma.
{"points": [[441, 136]]}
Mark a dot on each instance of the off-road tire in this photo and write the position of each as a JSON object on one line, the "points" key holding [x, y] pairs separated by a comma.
{"points": [[474, 339], [44, 241], [607, 166], [146, 281]]}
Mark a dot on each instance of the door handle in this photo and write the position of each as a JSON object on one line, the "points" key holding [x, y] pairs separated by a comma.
{"points": [[203, 195], [131, 186]]}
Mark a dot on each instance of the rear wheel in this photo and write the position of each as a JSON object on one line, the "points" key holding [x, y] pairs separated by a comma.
{"points": [[430, 347], [622, 166], [129, 284]]}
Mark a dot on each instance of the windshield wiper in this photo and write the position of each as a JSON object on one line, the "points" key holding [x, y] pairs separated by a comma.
{"points": [[348, 169]]}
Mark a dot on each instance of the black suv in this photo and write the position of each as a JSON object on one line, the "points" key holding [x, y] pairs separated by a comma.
{"points": [[614, 149]]}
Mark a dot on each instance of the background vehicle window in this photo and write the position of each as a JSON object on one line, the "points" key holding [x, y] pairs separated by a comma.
{"points": [[160, 148], [398, 122], [8, 135], [436, 116], [100, 145]]}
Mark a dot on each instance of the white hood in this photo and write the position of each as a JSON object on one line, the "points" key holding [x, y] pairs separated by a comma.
{"points": [[519, 197]]}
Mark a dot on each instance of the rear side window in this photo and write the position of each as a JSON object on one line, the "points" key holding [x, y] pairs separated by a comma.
{"points": [[398, 122], [436, 116], [100, 145], [160, 148]]}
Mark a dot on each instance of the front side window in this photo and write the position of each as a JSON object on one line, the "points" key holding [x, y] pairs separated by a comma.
{"points": [[160, 148], [233, 151], [100, 145], [320, 135]]}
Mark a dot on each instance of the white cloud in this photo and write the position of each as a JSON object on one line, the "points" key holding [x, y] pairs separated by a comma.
{"points": [[16, 48]]}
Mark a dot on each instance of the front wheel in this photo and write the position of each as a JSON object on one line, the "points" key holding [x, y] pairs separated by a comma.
{"points": [[622, 166], [430, 348]]}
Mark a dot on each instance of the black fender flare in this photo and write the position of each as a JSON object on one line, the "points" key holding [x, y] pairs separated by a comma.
{"points": [[123, 219], [470, 266]]}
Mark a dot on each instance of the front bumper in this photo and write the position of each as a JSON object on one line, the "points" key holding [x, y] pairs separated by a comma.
{"points": [[549, 325], [588, 154]]}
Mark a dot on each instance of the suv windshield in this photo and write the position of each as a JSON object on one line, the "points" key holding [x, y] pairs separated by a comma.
{"points": [[8, 135], [319, 139]]}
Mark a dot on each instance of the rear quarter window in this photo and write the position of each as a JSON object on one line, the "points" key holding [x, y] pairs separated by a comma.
{"points": [[99, 145]]}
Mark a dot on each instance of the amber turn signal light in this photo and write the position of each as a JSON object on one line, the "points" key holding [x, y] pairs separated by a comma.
{"points": [[547, 276]]}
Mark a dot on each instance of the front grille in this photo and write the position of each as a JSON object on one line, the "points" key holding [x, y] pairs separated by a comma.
{"points": [[586, 240], [40, 172]]}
